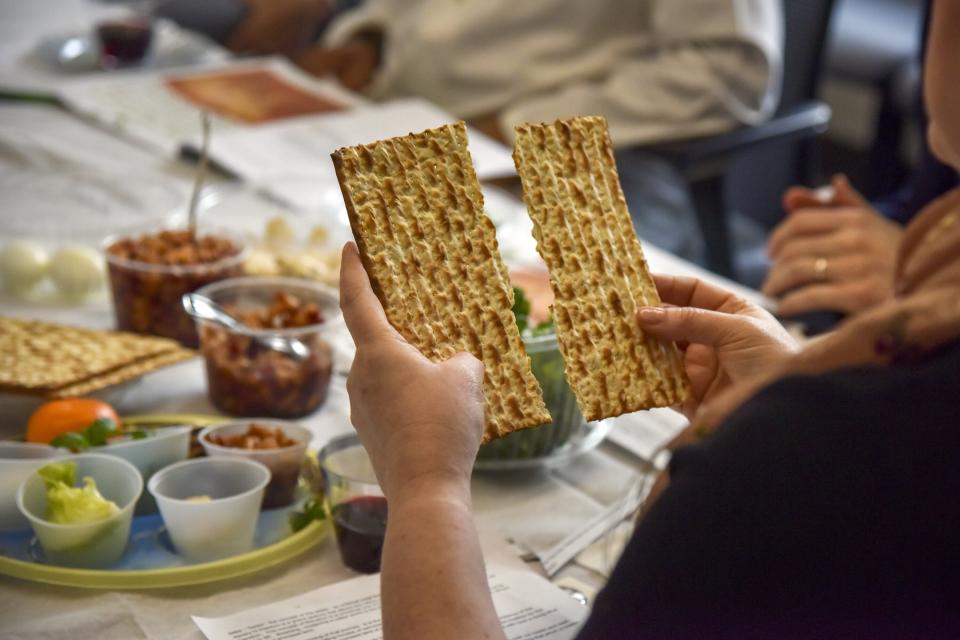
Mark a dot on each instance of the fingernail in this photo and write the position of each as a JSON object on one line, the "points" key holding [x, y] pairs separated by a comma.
{"points": [[652, 315]]}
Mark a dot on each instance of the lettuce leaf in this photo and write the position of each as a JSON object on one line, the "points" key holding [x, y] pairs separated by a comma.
{"points": [[67, 504]]}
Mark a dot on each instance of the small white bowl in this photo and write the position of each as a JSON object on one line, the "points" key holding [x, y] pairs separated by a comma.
{"points": [[224, 523], [160, 449], [284, 463], [17, 461], [95, 544]]}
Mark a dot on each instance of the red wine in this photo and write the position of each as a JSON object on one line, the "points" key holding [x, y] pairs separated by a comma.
{"points": [[124, 42], [361, 524]]}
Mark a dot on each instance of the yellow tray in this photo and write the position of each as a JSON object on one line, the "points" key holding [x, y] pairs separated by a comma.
{"points": [[160, 577]]}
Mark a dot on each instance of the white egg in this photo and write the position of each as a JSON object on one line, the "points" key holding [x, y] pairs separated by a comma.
{"points": [[22, 264], [77, 271]]}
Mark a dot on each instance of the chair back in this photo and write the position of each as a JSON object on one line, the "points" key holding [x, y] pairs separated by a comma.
{"points": [[805, 34], [756, 180]]}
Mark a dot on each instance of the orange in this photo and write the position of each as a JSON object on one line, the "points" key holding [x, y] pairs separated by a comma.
{"points": [[63, 416]]}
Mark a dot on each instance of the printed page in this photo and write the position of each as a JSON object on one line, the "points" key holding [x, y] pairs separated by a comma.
{"points": [[529, 607], [645, 433], [290, 159], [162, 110]]}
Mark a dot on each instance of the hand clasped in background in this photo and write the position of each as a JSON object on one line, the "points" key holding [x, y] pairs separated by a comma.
{"points": [[837, 254]]}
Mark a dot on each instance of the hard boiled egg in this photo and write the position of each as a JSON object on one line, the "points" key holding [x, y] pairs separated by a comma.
{"points": [[22, 265], [77, 271]]}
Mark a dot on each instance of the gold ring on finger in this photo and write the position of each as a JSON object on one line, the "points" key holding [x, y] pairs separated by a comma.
{"points": [[820, 268]]}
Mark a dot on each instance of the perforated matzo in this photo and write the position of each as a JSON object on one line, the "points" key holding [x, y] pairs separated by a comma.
{"points": [[431, 253], [597, 270], [55, 360]]}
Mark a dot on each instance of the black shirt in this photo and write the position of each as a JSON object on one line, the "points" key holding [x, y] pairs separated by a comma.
{"points": [[825, 507]]}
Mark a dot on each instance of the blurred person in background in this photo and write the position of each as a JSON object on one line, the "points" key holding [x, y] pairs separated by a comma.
{"points": [[837, 252], [658, 70], [256, 27]]}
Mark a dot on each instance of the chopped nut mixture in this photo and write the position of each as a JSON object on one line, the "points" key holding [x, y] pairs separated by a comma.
{"points": [[257, 436], [146, 300], [174, 247], [247, 379]]}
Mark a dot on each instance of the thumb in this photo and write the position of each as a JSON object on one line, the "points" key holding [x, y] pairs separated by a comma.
{"points": [[690, 324], [845, 195]]}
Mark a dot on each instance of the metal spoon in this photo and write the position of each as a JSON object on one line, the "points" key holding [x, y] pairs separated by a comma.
{"points": [[203, 308]]}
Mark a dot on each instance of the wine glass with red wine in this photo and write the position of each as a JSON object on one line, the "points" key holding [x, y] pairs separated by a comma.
{"points": [[356, 502]]}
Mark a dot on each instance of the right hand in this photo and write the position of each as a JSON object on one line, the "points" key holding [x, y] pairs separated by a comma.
{"points": [[724, 338], [353, 64], [837, 254]]}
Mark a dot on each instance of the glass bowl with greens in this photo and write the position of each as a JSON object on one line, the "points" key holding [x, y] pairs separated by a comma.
{"points": [[568, 433]]}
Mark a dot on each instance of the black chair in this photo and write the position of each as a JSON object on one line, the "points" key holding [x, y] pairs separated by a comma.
{"points": [[876, 45], [748, 168]]}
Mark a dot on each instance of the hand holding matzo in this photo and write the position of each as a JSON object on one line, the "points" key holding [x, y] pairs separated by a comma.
{"points": [[420, 421]]}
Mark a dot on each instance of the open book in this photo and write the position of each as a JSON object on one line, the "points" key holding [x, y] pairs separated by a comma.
{"points": [[273, 125]]}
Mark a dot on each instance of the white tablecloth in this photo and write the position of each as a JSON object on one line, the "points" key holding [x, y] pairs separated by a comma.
{"points": [[54, 158]]}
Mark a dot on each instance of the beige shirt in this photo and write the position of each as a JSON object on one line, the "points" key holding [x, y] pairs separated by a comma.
{"points": [[657, 69]]}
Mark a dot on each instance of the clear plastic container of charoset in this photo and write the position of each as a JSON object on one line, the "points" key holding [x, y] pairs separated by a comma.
{"points": [[147, 295], [285, 462], [245, 378]]}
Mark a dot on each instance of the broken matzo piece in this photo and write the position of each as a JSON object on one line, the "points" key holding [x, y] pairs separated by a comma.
{"points": [[431, 253], [597, 270]]}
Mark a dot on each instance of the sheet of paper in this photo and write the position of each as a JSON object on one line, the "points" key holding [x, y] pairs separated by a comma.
{"points": [[64, 181], [591, 530], [646, 432], [602, 556], [291, 159], [154, 110], [528, 607]]}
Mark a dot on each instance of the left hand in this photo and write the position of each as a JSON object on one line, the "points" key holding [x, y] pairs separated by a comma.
{"points": [[838, 255], [724, 338], [353, 64], [420, 421]]}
